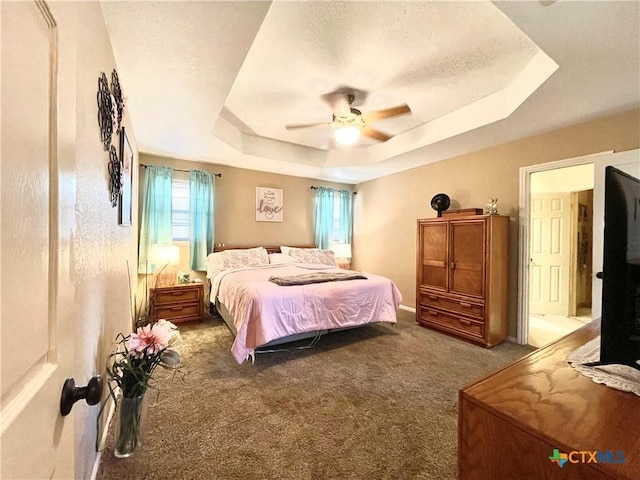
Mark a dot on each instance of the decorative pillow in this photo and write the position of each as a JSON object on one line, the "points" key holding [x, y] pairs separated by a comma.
{"points": [[313, 255], [247, 257], [281, 258]]}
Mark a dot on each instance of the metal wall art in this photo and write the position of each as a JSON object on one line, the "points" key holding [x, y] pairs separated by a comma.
{"points": [[110, 107], [117, 98], [110, 113], [115, 176], [105, 111]]}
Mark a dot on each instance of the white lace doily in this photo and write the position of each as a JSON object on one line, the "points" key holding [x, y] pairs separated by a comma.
{"points": [[620, 377]]}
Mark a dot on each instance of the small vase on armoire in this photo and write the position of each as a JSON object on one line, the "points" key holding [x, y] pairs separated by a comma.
{"points": [[462, 275]]}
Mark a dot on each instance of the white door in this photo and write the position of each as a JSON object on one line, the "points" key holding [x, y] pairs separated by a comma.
{"points": [[628, 162], [36, 290], [550, 253]]}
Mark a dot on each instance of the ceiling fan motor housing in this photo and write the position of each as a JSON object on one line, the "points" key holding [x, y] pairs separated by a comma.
{"points": [[353, 119]]}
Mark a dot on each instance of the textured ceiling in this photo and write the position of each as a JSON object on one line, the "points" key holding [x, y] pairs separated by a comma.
{"points": [[218, 81]]}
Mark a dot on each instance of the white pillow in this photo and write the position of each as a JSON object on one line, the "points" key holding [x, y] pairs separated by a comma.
{"points": [[214, 263], [281, 258], [313, 255], [285, 249]]}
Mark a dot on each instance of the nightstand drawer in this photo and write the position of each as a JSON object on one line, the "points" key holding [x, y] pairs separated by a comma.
{"points": [[180, 294], [177, 311]]}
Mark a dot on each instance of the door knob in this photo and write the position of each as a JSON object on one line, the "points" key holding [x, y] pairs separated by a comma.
{"points": [[92, 393]]}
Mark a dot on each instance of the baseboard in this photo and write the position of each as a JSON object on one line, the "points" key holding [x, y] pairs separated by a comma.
{"points": [[96, 466], [103, 440], [512, 339], [408, 309]]}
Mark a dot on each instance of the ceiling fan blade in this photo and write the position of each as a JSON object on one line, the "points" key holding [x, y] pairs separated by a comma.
{"points": [[378, 135], [307, 125], [386, 113]]}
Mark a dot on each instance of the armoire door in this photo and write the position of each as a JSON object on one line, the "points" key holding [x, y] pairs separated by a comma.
{"points": [[434, 255], [466, 264]]}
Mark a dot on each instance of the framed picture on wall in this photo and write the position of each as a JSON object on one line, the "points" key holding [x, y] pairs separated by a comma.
{"points": [[126, 169], [269, 204]]}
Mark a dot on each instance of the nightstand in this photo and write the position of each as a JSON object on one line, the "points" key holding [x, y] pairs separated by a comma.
{"points": [[182, 303]]}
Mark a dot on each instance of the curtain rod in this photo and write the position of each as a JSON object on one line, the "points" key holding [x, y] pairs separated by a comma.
{"points": [[315, 188], [187, 171]]}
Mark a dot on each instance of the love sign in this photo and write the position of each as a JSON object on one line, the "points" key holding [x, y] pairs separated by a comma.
{"points": [[269, 204]]}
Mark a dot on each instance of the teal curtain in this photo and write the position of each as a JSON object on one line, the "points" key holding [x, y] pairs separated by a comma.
{"points": [[324, 217], [202, 188], [155, 222], [346, 216]]}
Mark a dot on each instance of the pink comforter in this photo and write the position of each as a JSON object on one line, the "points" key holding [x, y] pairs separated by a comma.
{"points": [[263, 311]]}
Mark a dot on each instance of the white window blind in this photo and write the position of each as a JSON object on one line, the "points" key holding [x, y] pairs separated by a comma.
{"points": [[335, 233], [180, 209]]}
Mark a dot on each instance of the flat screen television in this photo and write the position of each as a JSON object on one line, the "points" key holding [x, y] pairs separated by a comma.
{"points": [[620, 319]]}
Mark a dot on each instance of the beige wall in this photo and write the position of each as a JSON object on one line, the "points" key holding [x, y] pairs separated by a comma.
{"points": [[236, 202], [386, 209], [101, 248]]}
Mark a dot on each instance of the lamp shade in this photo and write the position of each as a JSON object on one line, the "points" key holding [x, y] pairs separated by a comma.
{"points": [[347, 135], [162, 254], [341, 250]]}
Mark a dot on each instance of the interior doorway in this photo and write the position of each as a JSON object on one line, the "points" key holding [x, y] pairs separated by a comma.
{"points": [[560, 251], [555, 248], [628, 161]]}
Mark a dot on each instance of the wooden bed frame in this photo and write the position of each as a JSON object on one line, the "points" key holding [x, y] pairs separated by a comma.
{"points": [[222, 248]]}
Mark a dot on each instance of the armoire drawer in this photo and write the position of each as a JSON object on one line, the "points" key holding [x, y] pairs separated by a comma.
{"points": [[452, 304], [451, 321]]}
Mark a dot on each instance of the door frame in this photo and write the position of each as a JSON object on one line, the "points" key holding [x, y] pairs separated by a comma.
{"points": [[524, 208]]}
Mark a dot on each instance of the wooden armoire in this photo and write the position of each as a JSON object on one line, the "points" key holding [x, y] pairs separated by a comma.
{"points": [[462, 275]]}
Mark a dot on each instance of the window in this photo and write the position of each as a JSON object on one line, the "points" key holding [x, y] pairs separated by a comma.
{"points": [[180, 209]]}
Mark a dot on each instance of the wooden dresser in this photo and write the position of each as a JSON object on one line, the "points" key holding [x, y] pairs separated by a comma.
{"points": [[178, 303], [511, 421], [462, 276]]}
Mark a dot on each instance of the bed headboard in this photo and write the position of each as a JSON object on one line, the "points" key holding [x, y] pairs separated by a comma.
{"points": [[276, 249]]}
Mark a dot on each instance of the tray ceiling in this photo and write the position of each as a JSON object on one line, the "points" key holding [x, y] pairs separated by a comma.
{"points": [[218, 81]]}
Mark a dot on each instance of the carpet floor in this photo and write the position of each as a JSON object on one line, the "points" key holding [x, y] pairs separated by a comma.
{"points": [[376, 402]]}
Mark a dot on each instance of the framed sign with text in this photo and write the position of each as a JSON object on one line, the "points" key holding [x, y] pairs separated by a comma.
{"points": [[269, 204]]}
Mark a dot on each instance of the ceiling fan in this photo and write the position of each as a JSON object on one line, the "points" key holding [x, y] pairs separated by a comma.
{"points": [[348, 122]]}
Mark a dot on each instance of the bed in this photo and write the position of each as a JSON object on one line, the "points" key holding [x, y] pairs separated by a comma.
{"points": [[262, 313]]}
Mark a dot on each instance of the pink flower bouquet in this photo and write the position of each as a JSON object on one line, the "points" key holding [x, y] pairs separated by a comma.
{"points": [[140, 353]]}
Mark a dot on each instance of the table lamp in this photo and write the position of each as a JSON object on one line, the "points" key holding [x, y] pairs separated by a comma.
{"points": [[342, 254], [164, 257]]}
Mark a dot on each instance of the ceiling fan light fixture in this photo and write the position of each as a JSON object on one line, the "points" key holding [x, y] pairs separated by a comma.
{"points": [[347, 135]]}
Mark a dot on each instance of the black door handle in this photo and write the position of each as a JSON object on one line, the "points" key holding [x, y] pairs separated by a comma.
{"points": [[92, 393], [599, 275]]}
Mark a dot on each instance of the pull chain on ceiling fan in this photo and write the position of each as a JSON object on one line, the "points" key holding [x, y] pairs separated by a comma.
{"points": [[349, 123]]}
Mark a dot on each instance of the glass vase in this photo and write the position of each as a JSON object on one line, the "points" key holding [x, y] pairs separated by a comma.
{"points": [[129, 432]]}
